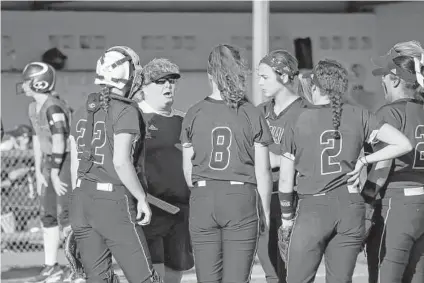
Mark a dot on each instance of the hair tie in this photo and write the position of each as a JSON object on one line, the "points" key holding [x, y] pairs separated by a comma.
{"points": [[419, 65]]}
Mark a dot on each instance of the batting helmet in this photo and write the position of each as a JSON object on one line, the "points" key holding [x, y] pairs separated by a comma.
{"points": [[120, 67], [42, 77]]}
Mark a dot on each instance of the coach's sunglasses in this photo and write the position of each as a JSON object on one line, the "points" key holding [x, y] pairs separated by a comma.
{"points": [[162, 81]]}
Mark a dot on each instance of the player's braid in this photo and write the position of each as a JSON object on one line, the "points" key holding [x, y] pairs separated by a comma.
{"points": [[336, 107], [105, 98], [332, 77]]}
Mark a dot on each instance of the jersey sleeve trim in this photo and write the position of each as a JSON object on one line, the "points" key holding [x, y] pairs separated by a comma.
{"points": [[289, 156], [374, 133], [127, 131]]}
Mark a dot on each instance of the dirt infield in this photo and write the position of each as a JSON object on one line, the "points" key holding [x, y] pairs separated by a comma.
{"points": [[19, 267]]}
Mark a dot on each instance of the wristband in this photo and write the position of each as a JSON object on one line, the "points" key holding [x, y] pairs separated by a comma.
{"points": [[56, 160], [286, 202]]}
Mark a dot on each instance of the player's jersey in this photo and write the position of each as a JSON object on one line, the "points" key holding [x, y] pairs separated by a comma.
{"points": [[406, 115], [54, 117], [121, 117], [321, 160], [223, 140], [163, 160], [277, 123]]}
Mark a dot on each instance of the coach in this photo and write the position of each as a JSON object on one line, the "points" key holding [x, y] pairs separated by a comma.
{"points": [[167, 235]]}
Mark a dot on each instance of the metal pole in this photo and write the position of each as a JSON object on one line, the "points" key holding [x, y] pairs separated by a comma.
{"points": [[260, 42]]}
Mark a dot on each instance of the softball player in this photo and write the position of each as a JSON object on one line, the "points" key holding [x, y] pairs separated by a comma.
{"points": [[167, 235], [278, 80], [109, 203], [50, 118], [322, 145], [226, 162], [401, 238]]}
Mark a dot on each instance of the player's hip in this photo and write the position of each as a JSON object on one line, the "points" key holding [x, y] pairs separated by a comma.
{"points": [[225, 201]]}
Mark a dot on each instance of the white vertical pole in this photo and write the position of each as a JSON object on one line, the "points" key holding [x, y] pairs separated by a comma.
{"points": [[260, 42]]}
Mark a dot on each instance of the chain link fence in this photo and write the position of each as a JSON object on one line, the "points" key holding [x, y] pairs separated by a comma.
{"points": [[20, 209]]}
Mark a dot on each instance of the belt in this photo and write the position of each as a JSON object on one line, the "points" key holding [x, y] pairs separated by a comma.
{"points": [[106, 187], [203, 183], [351, 190], [417, 191]]}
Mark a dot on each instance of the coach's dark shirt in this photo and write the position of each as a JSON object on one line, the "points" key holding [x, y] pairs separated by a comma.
{"points": [[163, 163]]}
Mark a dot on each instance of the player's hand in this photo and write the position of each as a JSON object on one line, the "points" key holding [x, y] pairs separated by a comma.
{"points": [[355, 174], [41, 181], [59, 186], [144, 214]]}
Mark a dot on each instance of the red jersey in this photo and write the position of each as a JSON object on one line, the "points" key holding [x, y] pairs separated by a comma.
{"points": [[223, 140], [321, 160], [406, 115], [54, 117], [121, 117]]}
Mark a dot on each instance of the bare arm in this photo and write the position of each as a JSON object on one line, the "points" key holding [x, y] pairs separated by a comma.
{"points": [[286, 181], [122, 161], [37, 154], [188, 153], [397, 144], [263, 177], [74, 162]]}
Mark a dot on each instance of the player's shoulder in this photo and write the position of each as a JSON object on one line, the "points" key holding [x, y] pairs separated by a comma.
{"points": [[265, 106], [196, 108], [393, 108], [250, 109]]}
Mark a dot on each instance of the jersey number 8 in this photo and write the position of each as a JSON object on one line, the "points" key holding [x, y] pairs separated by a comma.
{"points": [[221, 142], [99, 139], [329, 153]]}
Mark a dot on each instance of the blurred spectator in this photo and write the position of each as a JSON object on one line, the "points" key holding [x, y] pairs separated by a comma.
{"points": [[19, 138]]}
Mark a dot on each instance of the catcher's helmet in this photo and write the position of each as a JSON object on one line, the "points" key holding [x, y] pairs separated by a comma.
{"points": [[120, 67], [42, 77]]}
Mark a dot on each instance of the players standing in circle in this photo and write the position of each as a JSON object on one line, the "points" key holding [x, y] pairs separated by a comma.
{"points": [[50, 118], [323, 145], [278, 80], [401, 235], [226, 162], [167, 235], [109, 203]]}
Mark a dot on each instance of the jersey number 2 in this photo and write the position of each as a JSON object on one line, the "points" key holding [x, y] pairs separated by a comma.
{"points": [[221, 142], [328, 165], [98, 141], [419, 148]]}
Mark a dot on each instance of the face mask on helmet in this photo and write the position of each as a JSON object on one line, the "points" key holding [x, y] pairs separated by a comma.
{"points": [[41, 78], [120, 68]]}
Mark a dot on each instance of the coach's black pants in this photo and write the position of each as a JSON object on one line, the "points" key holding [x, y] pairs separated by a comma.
{"points": [[332, 225], [397, 239], [104, 225], [224, 227]]}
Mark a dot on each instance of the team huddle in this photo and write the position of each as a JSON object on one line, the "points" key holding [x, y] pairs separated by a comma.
{"points": [[160, 191]]}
